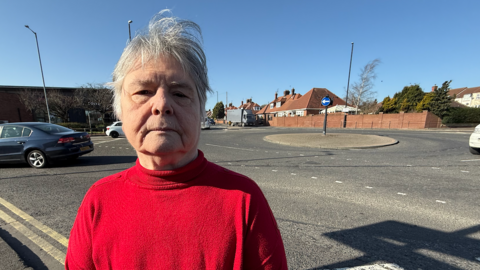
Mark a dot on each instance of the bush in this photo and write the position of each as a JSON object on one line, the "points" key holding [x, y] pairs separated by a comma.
{"points": [[73, 125], [462, 115]]}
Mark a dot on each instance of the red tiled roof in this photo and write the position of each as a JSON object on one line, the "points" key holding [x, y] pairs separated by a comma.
{"points": [[311, 100], [460, 92]]}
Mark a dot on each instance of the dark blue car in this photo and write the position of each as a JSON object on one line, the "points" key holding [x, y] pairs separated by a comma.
{"points": [[40, 143]]}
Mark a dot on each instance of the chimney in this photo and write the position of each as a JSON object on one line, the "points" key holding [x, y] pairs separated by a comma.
{"points": [[293, 91], [434, 88], [242, 103], [286, 93], [230, 105], [276, 96]]}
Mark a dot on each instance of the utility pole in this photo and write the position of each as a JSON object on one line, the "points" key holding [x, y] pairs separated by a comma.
{"points": [[348, 85]]}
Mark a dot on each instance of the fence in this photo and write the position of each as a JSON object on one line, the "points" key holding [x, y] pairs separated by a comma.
{"points": [[384, 121]]}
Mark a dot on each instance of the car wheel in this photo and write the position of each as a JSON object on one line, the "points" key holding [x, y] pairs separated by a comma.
{"points": [[475, 151], [37, 159], [114, 134]]}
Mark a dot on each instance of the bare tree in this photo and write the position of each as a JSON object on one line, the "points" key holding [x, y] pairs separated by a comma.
{"points": [[362, 91], [60, 102], [95, 97], [34, 101]]}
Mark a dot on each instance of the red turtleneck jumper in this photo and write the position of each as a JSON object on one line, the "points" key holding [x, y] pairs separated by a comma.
{"points": [[200, 216]]}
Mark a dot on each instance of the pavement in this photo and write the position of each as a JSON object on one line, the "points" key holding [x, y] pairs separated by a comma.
{"points": [[331, 140]]}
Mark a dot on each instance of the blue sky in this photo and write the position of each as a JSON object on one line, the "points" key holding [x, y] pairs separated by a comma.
{"points": [[253, 48]]}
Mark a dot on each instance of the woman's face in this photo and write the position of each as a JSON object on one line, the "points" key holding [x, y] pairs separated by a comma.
{"points": [[161, 110]]}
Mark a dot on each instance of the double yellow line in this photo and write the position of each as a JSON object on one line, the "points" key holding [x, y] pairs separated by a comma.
{"points": [[42, 243]]}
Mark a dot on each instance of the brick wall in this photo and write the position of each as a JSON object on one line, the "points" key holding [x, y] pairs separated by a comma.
{"points": [[385, 121], [12, 109]]}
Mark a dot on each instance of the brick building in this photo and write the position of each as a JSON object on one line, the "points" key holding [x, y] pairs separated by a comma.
{"points": [[13, 110]]}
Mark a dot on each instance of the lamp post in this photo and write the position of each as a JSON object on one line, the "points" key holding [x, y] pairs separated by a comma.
{"points": [[348, 85], [129, 33], [41, 70]]}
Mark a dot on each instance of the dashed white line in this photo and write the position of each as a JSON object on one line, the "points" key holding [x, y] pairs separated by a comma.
{"points": [[409, 165], [256, 167], [349, 159], [471, 160], [229, 147], [440, 201], [229, 163], [314, 177], [464, 171], [403, 194], [113, 146], [302, 155], [435, 168], [293, 174], [338, 182], [274, 171], [368, 187]]}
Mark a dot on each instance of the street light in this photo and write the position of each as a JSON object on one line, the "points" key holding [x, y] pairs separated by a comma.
{"points": [[129, 33], [41, 70], [348, 84]]}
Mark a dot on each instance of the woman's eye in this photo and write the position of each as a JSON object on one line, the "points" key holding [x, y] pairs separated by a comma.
{"points": [[143, 92]]}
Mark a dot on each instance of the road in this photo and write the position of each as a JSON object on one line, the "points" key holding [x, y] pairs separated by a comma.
{"points": [[415, 204]]}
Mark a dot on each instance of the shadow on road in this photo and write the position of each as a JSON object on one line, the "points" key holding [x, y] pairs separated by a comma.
{"points": [[409, 246], [30, 259], [81, 161]]}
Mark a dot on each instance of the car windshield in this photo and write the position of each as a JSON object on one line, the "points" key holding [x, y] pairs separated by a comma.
{"points": [[51, 129]]}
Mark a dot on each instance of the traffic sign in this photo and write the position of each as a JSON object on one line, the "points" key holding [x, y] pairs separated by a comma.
{"points": [[326, 101]]}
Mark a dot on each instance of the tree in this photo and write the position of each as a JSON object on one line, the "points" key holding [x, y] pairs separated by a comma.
{"points": [[425, 103], [409, 98], [218, 111], [441, 101], [362, 90], [95, 97], [34, 101], [60, 102]]}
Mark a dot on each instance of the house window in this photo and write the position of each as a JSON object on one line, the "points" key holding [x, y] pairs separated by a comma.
{"points": [[280, 114], [279, 104], [478, 96], [271, 106], [300, 113]]}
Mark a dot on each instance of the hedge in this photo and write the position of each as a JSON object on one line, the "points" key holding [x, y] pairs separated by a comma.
{"points": [[462, 115]]}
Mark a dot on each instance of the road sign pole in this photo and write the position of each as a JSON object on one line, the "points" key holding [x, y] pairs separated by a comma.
{"points": [[325, 122]]}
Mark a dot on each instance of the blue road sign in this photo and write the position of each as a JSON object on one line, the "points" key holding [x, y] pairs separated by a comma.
{"points": [[326, 101]]}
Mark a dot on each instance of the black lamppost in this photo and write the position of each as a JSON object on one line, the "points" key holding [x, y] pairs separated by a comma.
{"points": [[41, 70], [348, 85], [129, 33]]}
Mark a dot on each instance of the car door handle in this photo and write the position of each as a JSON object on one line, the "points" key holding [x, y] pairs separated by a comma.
{"points": [[20, 142]]}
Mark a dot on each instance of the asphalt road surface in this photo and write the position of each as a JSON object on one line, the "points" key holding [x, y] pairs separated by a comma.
{"points": [[414, 204]]}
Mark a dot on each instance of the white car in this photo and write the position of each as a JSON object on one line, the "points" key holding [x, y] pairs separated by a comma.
{"points": [[475, 141], [205, 124], [115, 130]]}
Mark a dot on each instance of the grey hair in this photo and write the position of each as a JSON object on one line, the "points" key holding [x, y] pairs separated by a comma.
{"points": [[165, 36]]}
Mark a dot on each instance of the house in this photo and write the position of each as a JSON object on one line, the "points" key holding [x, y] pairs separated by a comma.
{"points": [[297, 105], [467, 96], [250, 105]]}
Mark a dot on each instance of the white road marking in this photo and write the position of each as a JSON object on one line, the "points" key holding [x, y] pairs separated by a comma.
{"points": [[113, 146], [338, 182], [302, 155], [314, 177], [293, 174], [256, 167], [403, 194], [409, 165], [464, 171], [471, 160], [349, 159], [316, 156], [229, 147], [119, 147], [440, 201], [435, 168], [100, 142], [274, 171], [368, 187], [229, 163]]}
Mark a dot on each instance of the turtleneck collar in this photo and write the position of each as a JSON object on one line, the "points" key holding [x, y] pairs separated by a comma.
{"points": [[172, 179]]}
